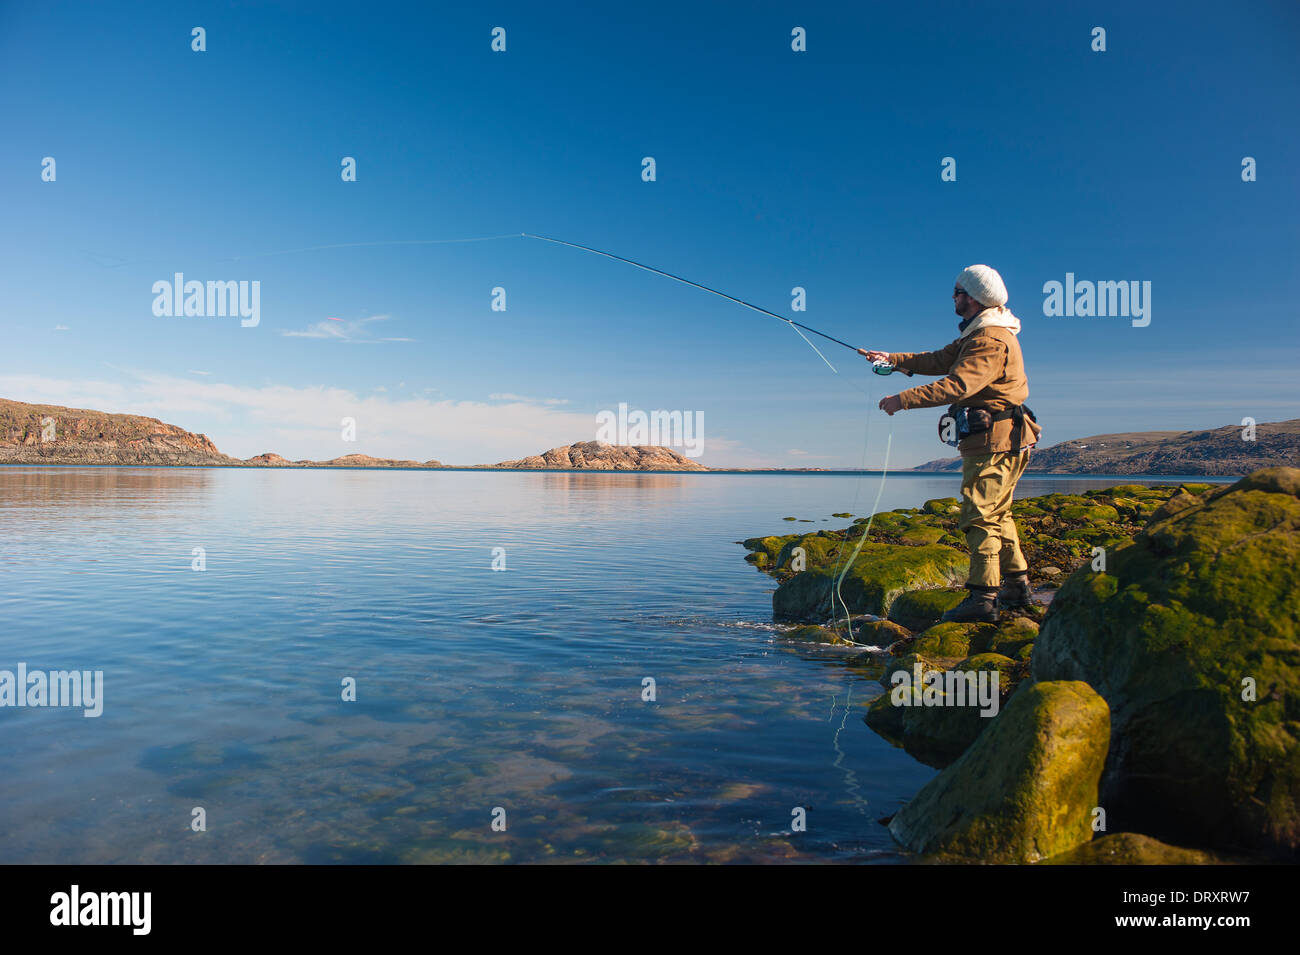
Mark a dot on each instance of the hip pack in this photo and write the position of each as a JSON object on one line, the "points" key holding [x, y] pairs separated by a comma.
{"points": [[961, 423]]}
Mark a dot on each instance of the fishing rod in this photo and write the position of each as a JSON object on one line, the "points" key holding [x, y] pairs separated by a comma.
{"points": [[731, 298]]}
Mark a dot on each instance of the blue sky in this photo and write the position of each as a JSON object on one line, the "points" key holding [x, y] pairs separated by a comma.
{"points": [[775, 169]]}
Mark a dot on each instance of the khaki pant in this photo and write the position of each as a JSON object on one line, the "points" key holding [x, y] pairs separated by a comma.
{"points": [[987, 483]]}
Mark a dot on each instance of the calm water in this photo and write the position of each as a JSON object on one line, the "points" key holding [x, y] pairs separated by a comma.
{"points": [[476, 689]]}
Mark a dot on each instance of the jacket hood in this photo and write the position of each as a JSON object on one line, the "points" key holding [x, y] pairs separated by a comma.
{"points": [[996, 317]]}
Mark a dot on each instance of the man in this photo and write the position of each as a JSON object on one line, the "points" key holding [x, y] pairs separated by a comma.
{"points": [[984, 382]]}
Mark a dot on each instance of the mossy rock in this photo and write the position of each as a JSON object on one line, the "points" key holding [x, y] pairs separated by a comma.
{"points": [[1137, 490], [1007, 638], [943, 506], [919, 609], [1175, 505], [1089, 513], [947, 716], [820, 549], [1131, 848], [1055, 502], [1199, 602], [885, 719], [907, 662], [950, 639], [1027, 510], [764, 549], [843, 514], [922, 534], [879, 633], [875, 580], [1025, 788], [811, 634]]}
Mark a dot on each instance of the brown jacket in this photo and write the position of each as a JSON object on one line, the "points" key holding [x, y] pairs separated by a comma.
{"points": [[985, 369]]}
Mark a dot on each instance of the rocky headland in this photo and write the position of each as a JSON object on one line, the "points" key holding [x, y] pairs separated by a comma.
{"points": [[602, 456], [1222, 452], [1147, 715]]}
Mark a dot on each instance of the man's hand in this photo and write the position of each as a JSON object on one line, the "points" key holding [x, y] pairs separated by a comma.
{"points": [[891, 404], [873, 355]]}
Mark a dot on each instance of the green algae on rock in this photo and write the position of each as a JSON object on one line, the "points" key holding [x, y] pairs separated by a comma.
{"points": [[938, 734], [1131, 848], [950, 639], [1192, 635], [810, 633], [877, 577], [919, 549], [1024, 790], [918, 609]]}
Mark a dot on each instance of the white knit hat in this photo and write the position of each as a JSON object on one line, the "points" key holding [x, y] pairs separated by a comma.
{"points": [[984, 285]]}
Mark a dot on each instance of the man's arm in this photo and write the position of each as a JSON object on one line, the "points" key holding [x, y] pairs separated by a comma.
{"points": [[926, 362], [983, 361]]}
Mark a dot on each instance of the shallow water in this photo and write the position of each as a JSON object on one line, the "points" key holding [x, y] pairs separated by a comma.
{"points": [[477, 689]]}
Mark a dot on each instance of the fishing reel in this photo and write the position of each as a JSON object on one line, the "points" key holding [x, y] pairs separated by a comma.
{"points": [[882, 368]]}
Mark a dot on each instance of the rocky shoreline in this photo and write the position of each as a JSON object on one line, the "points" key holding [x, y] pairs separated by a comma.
{"points": [[1147, 714]]}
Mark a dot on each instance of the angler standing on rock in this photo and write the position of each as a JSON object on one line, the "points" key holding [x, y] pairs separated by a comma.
{"points": [[985, 387]]}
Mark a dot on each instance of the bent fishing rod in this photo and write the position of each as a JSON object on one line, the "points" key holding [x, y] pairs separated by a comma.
{"points": [[731, 298]]}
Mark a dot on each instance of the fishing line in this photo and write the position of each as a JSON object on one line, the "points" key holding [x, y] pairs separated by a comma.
{"points": [[866, 531], [731, 298]]}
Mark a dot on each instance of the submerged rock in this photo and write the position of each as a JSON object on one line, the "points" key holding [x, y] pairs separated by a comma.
{"points": [[1192, 635], [1130, 848], [1024, 790]]}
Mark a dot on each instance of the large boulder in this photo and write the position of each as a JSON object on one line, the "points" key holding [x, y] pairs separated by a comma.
{"points": [[1025, 790], [1192, 635]]}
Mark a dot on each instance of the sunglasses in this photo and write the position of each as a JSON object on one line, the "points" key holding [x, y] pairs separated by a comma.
{"points": [[958, 291]]}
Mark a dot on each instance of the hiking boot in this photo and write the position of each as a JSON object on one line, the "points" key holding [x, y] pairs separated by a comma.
{"points": [[1016, 594], [979, 607]]}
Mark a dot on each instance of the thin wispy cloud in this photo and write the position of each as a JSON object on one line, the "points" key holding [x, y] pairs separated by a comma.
{"points": [[508, 396], [355, 331]]}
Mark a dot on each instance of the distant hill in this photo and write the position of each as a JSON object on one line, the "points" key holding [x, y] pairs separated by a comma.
{"points": [[600, 456], [1220, 451], [52, 434]]}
